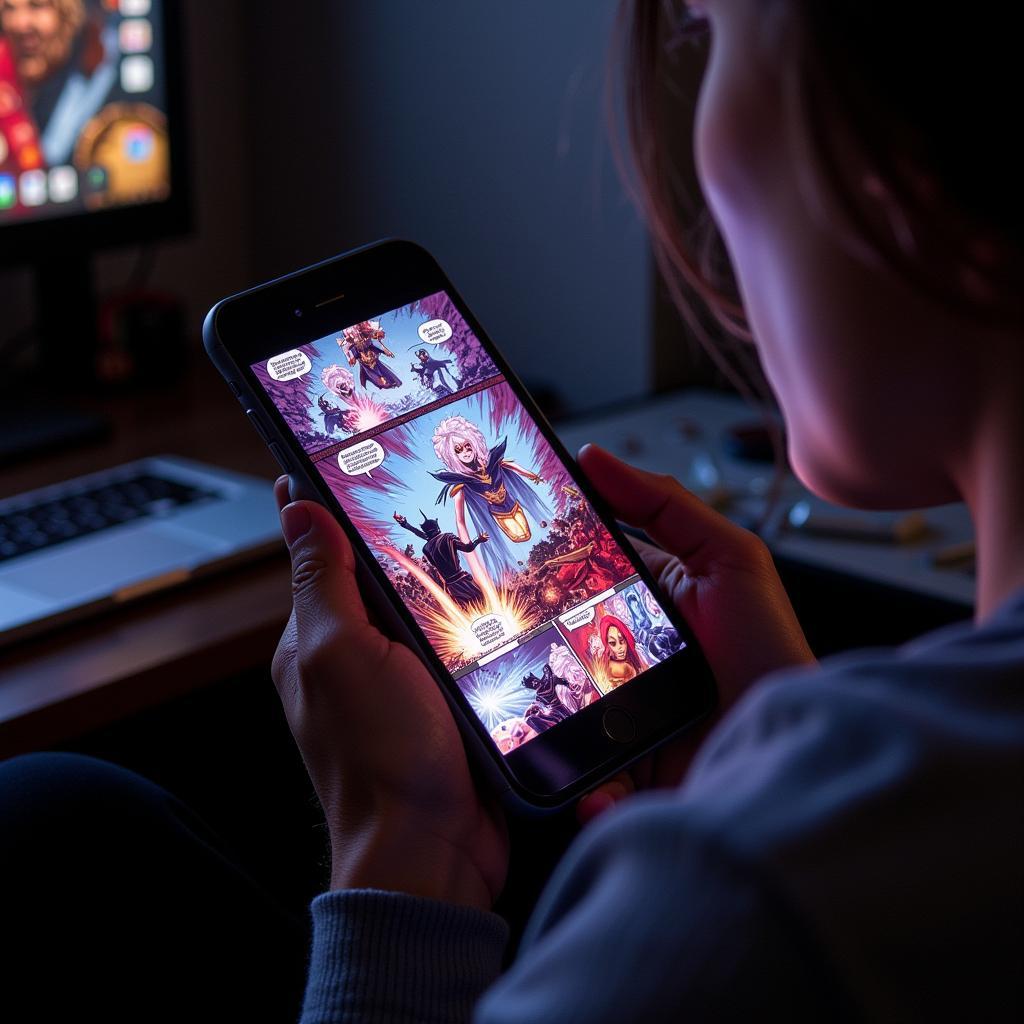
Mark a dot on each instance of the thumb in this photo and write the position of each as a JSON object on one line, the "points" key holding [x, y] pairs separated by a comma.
{"points": [[324, 589], [672, 516]]}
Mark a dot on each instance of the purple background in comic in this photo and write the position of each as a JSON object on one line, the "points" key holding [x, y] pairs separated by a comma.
{"points": [[513, 712], [294, 402], [297, 400]]}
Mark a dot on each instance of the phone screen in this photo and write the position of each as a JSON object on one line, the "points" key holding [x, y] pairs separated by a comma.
{"points": [[513, 579]]}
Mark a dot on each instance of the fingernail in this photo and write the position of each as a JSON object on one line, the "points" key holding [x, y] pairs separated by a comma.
{"points": [[281, 492], [295, 522]]}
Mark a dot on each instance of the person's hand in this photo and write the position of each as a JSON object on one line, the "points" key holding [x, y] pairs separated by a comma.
{"points": [[377, 738], [724, 583]]}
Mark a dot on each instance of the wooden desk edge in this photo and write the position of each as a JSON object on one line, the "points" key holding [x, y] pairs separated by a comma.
{"points": [[60, 686]]}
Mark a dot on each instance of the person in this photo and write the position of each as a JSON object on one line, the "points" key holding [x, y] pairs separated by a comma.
{"points": [[845, 841], [493, 489], [66, 59], [364, 343], [442, 552], [619, 660], [427, 367]]}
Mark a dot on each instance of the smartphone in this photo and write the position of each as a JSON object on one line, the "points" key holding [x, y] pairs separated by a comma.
{"points": [[479, 542]]}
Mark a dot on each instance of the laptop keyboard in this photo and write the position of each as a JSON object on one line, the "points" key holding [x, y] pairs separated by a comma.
{"points": [[55, 520]]}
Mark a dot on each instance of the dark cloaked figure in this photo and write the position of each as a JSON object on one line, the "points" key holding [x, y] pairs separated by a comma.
{"points": [[547, 709], [426, 370], [442, 552]]}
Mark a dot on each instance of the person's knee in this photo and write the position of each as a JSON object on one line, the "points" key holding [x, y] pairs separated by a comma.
{"points": [[63, 795]]}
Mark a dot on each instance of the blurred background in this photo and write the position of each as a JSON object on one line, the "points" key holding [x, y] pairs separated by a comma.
{"points": [[480, 131]]}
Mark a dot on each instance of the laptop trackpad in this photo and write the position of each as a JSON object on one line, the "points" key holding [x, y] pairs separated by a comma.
{"points": [[94, 568]]}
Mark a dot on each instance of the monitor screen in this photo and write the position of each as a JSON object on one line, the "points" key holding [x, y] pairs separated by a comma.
{"points": [[83, 107]]}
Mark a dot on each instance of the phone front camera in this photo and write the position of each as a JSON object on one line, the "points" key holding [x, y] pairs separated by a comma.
{"points": [[298, 312]]}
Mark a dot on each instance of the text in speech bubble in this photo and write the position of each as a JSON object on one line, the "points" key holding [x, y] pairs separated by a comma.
{"points": [[289, 365], [433, 332], [361, 458], [579, 618], [489, 630]]}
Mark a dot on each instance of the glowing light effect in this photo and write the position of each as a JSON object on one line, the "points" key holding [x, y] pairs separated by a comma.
{"points": [[449, 627], [496, 699], [453, 638], [368, 413]]}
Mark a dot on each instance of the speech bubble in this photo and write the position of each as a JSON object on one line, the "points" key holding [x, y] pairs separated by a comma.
{"points": [[289, 365], [361, 458], [579, 618], [489, 630], [433, 332]]}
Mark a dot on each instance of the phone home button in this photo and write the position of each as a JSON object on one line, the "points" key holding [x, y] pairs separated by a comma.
{"points": [[619, 725]]}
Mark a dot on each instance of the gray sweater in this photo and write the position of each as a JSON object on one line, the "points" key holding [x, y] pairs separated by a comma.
{"points": [[849, 844]]}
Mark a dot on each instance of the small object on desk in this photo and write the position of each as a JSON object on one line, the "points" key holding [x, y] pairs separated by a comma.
{"points": [[955, 556], [632, 444], [708, 482], [749, 442], [688, 428], [904, 530]]}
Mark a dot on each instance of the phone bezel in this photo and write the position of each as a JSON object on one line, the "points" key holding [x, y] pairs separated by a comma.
{"points": [[574, 755]]}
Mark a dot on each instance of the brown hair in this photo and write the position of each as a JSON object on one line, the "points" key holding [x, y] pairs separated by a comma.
{"points": [[927, 101]]}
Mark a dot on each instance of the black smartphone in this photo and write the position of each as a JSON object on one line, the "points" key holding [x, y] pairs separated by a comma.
{"points": [[480, 544]]}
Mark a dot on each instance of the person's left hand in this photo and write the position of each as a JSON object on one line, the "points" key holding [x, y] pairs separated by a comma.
{"points": [[379, 743]]}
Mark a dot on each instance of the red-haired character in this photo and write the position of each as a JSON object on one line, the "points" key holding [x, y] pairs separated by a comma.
{"points": [[620, 659]]}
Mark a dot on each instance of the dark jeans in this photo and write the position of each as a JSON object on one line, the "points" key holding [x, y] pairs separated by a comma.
{"points": [[119, 903]]}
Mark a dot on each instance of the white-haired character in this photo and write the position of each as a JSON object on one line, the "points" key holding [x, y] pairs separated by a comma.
{"points": [[493, 489], [577, 691]]}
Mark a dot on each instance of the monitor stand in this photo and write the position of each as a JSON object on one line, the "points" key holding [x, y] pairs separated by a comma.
{"points": [[38, 413]]}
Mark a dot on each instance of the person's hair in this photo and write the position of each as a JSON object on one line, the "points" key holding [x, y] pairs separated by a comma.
{"points": [[337, 379], [928, 101], [632, 657], [444, 442], [564, 664]]}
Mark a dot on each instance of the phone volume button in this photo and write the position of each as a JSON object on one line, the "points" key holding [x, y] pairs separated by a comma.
{"points": [[254, 419], [282, 459]]}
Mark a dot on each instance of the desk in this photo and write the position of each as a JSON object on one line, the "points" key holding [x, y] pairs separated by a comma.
{"points": [[682, 434], [62, 684]]}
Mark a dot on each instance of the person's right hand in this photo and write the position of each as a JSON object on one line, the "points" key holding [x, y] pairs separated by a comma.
{"points": [[724, 583]]}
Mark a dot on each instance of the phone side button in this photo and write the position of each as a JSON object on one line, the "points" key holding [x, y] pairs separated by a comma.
{"points": [[254, 419], [282, 459], [618, 725]]}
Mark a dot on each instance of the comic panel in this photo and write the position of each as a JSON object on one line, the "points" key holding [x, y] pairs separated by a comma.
{"points": [[520, 692], [355, 380], [476, 522], [620, 635]]}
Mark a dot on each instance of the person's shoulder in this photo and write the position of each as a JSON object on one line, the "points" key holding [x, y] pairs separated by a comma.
{"points": [[871, 726]]}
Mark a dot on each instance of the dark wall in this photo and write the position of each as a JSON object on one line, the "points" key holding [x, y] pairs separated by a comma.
{"points": [[477, 130]]}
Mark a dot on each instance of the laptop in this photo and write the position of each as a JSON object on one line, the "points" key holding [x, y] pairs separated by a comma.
{"points": [[101, 540]]}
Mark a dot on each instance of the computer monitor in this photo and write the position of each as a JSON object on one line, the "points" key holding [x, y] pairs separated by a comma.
{"points": [[90, 123], [91, 150]]}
